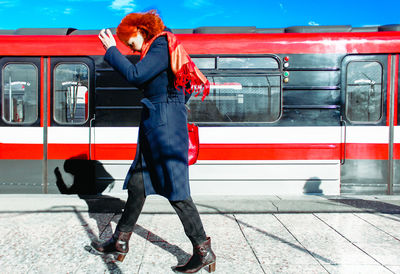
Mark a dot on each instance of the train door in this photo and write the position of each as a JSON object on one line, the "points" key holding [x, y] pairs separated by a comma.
{"points": [[366, 116], [115, 127], [67, 130], [21, 134]]}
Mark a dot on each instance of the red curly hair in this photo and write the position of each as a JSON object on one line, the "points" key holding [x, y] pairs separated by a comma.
{"points": [[149, 24]]}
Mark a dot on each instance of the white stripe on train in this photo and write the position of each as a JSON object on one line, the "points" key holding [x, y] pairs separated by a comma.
{"points": [[208, 135]]}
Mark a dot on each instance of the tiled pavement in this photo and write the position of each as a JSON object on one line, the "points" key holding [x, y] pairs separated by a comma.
{"points": [[298, 234]]}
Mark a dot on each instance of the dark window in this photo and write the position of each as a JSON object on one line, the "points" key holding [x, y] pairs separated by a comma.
{"points": [[71, 86], [20, 93], [364, 91]]}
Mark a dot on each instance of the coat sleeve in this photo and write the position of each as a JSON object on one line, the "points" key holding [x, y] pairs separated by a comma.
{"points": [[155, 61]]}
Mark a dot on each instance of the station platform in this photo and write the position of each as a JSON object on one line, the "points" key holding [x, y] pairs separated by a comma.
{"points": [[249, 234]]}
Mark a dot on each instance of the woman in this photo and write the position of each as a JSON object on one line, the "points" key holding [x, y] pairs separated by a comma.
{"points": [[165, 72]]}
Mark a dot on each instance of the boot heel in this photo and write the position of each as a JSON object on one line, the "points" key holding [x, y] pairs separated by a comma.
{"points": [[211, 267], [121, 257]]}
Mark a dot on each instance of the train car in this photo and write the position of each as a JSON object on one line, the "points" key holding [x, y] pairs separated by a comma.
{"points": [[297, 110]]}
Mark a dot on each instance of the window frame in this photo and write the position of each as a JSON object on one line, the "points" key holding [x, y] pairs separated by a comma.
{"points": [[53, 72], [218, 65], [242, 72], [37, 69], [217, 57]]}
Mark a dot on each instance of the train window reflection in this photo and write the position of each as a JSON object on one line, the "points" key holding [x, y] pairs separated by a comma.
{"points": [[364, 91], [71, 86], [20, 93], [244, 99], [204, 63], [247, 63]]}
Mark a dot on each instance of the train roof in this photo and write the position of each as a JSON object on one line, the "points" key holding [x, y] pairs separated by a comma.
{"points": [[214, 30]]}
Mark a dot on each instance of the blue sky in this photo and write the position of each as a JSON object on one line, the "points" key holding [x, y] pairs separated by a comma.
{"points": [[97, 14]]}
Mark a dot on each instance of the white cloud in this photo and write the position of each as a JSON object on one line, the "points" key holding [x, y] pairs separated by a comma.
{"points": [[196, 4], [48, 11], [282, 8], [55, 13], [67, 11], [8, 3], [195, 21], [312, 23], [125, 6]]}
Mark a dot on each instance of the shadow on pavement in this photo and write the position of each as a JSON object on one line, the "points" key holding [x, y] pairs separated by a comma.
{"points": [[369, 205], [154, 239], [298, 247]]}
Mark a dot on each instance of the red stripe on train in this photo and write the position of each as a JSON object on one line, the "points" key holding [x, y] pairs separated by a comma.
{"points": [[78, 45], [269, 152], [292, 152], [207, 151], [396, 154], [21, 151], [98, 152], [367, 151]]}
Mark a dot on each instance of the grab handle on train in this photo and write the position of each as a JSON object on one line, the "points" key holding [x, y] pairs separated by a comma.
{"points": [[90, 135], [343, 126]]}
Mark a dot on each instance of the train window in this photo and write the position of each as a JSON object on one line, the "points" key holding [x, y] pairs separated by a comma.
{"points": [[71, 86], [247, 63], [20, 93], [204, 63], [239, 99], [364, 91]]}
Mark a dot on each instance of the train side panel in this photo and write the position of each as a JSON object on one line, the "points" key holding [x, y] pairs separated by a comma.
{"points": [[288, 114]]}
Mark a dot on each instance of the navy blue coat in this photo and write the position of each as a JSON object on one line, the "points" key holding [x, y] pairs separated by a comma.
{"points": [[163, 134]]}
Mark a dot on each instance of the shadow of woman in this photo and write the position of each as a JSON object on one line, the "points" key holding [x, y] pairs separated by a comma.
{"points": [[84, 173], [90, 190], [85, 185]]}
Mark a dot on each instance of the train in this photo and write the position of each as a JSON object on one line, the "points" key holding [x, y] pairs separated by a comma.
{"points": [[301, 110]]}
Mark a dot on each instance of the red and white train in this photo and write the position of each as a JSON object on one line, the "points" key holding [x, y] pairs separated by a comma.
{"points": [[294, 110]]}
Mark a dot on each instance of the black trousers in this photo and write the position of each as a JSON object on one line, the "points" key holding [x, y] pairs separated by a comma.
{"points": [[186, 210]]}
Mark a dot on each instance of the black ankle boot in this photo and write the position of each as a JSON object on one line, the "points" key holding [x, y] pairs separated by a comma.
{"points": [[202, 256], [118, 243]]}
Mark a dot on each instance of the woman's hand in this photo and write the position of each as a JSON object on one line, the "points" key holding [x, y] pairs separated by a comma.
{"points": [[107, 39]]}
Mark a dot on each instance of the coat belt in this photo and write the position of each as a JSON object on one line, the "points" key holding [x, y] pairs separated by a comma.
{"points": [[164, 98]]}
